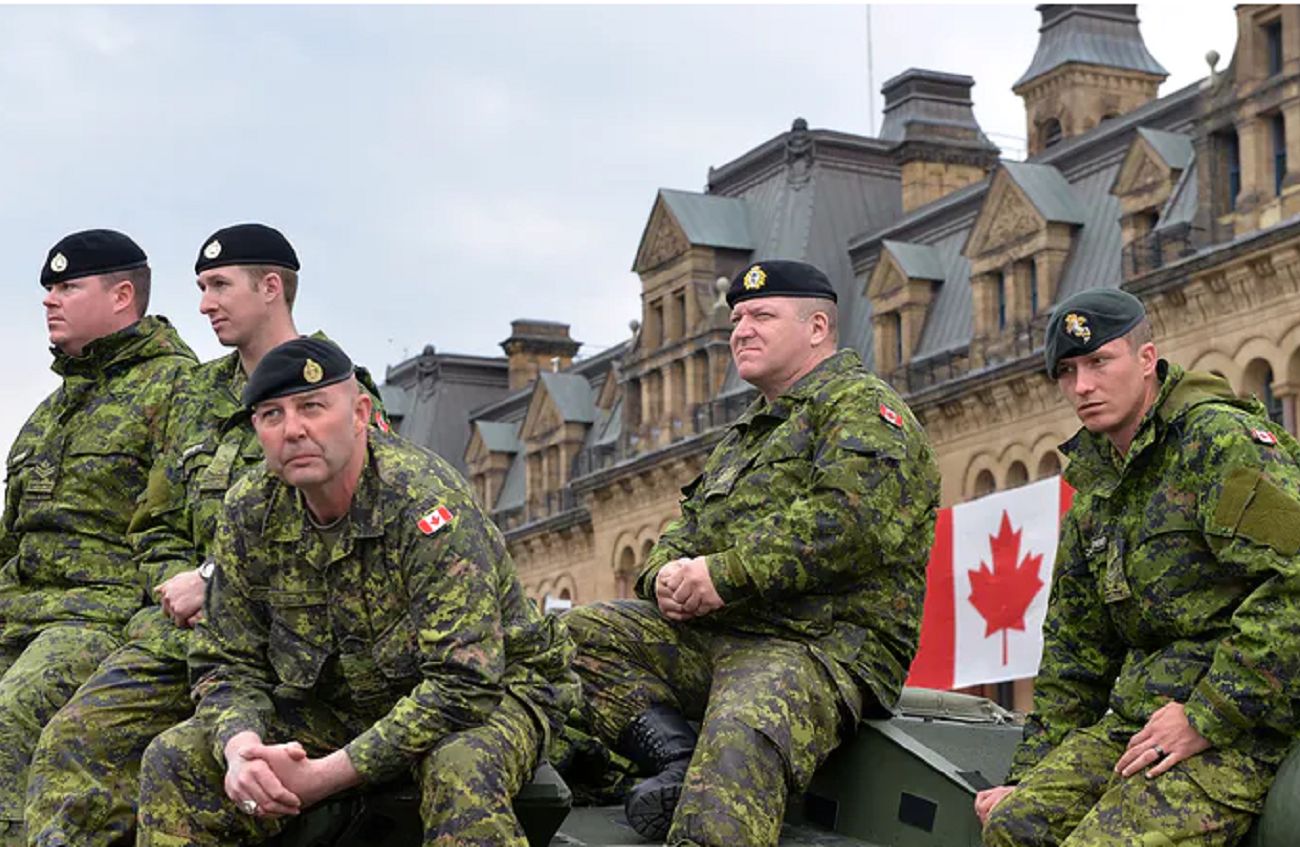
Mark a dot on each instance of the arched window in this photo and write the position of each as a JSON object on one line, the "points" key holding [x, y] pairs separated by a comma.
{"points": [[984, 483], [1048, 466], [1017, 475]]}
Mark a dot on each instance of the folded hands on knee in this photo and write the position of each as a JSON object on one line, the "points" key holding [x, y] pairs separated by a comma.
{"points": [[684, 589], [280, 778]]}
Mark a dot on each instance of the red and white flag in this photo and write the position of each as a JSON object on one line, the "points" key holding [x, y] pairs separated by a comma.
{"points": [[987, 584], [435, 520]]}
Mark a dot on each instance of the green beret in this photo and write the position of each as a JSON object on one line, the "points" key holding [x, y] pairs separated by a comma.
{"points": [[89, 253], [246, 244], [303, 364], [1085, 321], [780, 278]]}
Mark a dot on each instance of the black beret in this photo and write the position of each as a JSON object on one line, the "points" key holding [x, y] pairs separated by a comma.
{"points": [[1085, 321], [303, 364], [780, 278], [246, 244], [89, 253]]}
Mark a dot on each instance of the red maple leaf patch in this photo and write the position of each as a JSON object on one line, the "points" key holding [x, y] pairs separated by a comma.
{"points": [[1001, 595]]}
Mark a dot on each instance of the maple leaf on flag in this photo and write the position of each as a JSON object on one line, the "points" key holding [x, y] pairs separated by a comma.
{"points": [[1002, 594]]}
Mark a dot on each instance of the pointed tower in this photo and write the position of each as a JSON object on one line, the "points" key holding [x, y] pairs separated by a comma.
{"points": [[1091, 65]]}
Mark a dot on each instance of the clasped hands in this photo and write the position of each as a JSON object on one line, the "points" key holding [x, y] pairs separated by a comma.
{"points": [[274, 780], [684, 590]]}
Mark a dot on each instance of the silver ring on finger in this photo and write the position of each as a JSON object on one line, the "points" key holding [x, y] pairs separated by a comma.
{"points": [[249, 807], [1159, 751]]}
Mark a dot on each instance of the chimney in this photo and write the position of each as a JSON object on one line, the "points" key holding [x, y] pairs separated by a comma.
{"points": [[534, 346], [940, 146], [1091, 65]]}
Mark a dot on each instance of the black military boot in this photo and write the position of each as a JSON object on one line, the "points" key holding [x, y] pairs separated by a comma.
{"points": [[661, 742]]}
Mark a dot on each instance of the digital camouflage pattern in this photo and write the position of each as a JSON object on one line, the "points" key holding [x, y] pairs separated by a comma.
{"points": [[816, 513], [770, 711], [1075, 798], [85, 770], [468, 781], [406, 637], [1176, 579], [73, 477]]}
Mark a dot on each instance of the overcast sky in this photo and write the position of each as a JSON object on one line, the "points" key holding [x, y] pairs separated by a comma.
{"points": [[442, 170]]}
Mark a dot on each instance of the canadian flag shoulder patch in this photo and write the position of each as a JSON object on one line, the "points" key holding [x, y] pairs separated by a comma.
{"points": [[381, 422], [434, 520], [891, 417], [1263, 436]]}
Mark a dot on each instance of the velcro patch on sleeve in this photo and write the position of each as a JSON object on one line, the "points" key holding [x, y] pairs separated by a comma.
{"points": [[1254, 507], [890, 416]]}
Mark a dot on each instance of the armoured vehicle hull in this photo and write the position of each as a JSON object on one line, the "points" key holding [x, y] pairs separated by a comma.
{"points": [[909, 781]]}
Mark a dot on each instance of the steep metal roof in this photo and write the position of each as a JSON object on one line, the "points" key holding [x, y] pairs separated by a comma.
{"points": [[1181, 206], [1047, 190], [1174, 147], [710, 220], [397, 400], [917, 261], [499, 437], [514, 489], [572, 395], [1105, 35]]}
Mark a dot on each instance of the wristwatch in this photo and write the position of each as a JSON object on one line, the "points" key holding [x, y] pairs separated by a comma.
{"points": [[206, 569]]}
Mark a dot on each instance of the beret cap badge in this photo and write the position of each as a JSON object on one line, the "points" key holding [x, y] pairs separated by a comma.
{"points": [[213, 250], [312, 371], [1077, 325], [755, 278], [59, 263]]}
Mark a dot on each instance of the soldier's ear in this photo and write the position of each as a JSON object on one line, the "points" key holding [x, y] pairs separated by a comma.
{"points": [[361, 410]]}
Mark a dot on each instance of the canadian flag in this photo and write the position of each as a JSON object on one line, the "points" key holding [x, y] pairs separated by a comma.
{"points": [[987, 584], [435, 520]]}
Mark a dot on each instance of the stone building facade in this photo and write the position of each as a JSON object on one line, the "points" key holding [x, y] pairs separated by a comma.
{"points": [[947, 261]]}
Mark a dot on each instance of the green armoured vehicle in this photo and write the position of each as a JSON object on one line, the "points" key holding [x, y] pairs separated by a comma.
{"points": [[909, 781]]}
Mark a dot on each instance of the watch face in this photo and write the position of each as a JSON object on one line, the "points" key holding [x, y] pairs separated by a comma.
{"points": [[206, 569]]}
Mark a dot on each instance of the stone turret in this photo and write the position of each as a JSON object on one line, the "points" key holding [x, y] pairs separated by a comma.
{"points": [[1091, 65]]}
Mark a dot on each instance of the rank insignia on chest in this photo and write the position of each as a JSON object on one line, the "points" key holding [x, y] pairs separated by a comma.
{"points": [[435, 520], [891, 417], [1263, 436]]}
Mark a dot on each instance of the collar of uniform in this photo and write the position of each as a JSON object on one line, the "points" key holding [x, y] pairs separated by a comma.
{"points": [[97, 354], [225, 404], [807, 386], [286, 515]]}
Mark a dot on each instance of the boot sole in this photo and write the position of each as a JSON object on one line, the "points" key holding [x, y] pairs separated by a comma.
{"points": [[651, 814]]}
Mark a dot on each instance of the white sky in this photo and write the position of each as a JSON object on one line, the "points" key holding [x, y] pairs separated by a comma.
{"points": [[443, 169]]}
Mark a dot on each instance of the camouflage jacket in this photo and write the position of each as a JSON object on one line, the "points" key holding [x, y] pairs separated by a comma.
{"points": [[1176, 578], [406, 633], [74, 475], [816, 513]]}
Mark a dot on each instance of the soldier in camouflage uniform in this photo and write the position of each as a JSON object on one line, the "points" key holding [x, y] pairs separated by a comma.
{"points": [[785, 602], [1171, 649], [68, 583], [364, 623], [85, 771]]}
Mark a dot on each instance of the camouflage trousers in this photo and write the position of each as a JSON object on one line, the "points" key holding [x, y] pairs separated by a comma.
{"points": [[770, 713], [467, 782], [1074, 798], [85, 773], [37, 676]]}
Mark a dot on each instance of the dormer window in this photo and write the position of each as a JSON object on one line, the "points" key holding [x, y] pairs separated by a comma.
{"points": [[901, 288]]}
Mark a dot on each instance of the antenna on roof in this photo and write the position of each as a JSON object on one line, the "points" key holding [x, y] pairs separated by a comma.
{"points": [[871, 85]]}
